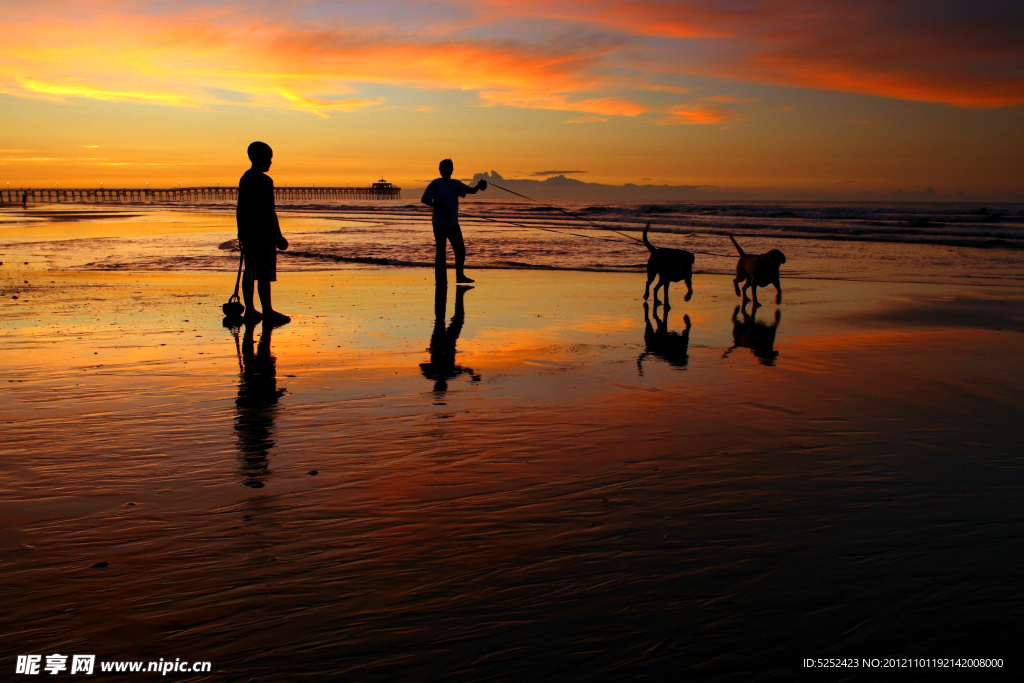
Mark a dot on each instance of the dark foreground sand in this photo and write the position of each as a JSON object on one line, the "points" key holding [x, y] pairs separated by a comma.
{"points": [[567, 498]]}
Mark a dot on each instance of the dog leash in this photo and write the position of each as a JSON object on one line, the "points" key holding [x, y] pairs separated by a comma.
{"points": [[537, 227], [231, 308], [708, 253], [238, 278], [567, 213], [577, 216]]}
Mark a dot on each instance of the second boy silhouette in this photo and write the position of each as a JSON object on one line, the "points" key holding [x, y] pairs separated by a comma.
{"points": [[442, 194]]}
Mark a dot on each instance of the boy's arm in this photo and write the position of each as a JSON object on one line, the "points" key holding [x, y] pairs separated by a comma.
{"points": [[280, 241], [238, 224], [482, 185], [241, 214], [428, 199], [428, 195]]}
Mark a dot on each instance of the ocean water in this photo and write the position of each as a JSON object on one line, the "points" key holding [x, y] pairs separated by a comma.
{"points": [[937, 243]]}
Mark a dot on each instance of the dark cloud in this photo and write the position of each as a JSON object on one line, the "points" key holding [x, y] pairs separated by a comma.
{"points": [[961, 52], [544, 173]]}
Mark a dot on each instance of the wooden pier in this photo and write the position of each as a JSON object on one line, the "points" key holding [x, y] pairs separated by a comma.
{"points": [[184, 195]]}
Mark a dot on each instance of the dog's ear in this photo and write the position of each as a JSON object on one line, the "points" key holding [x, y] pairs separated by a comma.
{"points": [[690, 257]]}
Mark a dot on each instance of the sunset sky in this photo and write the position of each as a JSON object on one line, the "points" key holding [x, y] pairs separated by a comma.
{"points": [[773, 95]]}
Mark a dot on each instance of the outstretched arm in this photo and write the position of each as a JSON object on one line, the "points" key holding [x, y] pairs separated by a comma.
{"points": [[482, 185]]}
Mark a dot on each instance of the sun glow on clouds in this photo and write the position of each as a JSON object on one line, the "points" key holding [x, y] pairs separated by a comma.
{"points": [[262, 55], [180, 61], [67, 90], [662, 74], [696, 115], [949, 51]]}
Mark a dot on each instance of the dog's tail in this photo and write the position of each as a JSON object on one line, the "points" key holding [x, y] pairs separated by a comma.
{"points": [[646, 241], [738, 247]]}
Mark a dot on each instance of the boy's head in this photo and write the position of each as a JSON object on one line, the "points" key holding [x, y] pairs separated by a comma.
{"points": [[260, 155], [446, 167]]}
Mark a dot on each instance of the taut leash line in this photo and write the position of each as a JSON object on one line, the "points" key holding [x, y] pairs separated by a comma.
{"points": [[567, 213], [577, 216]]}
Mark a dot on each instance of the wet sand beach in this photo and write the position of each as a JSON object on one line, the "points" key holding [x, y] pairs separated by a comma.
{"points": [[535, 478]]}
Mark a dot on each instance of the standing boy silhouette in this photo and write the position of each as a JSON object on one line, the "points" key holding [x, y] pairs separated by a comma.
{"points": [[442, 194], [259, 234]]}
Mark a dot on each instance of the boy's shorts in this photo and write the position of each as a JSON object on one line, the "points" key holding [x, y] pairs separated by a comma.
{"points": [[261, 263], [451, 233]]}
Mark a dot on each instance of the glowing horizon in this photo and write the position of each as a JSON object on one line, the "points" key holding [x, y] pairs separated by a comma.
{"points": [[805, 95]]}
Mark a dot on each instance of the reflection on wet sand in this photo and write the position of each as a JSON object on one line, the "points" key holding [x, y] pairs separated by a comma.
{"points": [[672, 347], [570, 522], [256, 404], [442, 367], [759, 337]]}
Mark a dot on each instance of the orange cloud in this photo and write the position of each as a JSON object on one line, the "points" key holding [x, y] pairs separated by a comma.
{"points": [[666, 88], [661, 19], [725, 98], [603, 106], [980, 90], [185, 61], [692, 114], [940, 51]]}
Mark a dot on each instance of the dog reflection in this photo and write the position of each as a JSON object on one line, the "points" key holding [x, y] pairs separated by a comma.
{"points": [[442, 366], [748, 333], [256, 405], [672, 347]]}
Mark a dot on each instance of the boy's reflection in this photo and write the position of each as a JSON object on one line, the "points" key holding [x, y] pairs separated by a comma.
{"points": [[672, 347], [442, 367], [758, 337], [257, 405]]}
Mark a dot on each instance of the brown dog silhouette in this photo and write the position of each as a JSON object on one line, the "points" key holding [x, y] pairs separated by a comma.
{"points": [[758, 270]]}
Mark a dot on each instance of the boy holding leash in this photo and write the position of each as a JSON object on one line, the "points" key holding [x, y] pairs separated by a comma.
{"points": [[442, 195], [259, 234]]}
